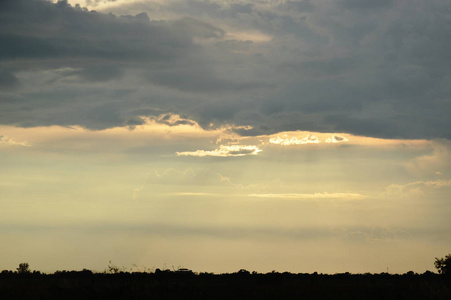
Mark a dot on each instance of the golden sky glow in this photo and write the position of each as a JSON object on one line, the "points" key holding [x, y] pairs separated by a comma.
{"points": [[295, 136], [278, 188]]}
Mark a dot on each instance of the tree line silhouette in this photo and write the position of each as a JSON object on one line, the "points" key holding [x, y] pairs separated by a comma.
{"points": [[181, 283]]}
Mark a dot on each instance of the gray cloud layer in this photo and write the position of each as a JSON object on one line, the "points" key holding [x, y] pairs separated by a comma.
{"points": [[377, 68]]}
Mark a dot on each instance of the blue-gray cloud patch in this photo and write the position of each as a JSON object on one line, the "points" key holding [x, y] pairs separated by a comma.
{"points": [[378, 68], [7, 79]]}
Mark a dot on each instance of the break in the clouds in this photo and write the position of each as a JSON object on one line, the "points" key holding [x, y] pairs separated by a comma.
{"points": [[309, 139], [285, 140], [224, 151], [5, 140], [371, 68]]}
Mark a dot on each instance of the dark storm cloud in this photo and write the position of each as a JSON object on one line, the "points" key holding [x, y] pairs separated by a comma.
{"points": [[365, 4], [188, 26], [323, 67], [42, 30], [98, 73], [197, 78], [95, 47], [8, 80], [304, 5], [378, 68]]}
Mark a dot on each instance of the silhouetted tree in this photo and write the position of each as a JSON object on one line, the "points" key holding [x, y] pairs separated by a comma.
{"points": [[24, 268], [443, 265]]}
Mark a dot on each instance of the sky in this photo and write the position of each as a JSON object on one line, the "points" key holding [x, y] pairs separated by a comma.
{"points": [[220, 135]]}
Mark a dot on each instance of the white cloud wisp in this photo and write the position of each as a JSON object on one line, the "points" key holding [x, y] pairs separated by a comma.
{"points": [[224, 151]]}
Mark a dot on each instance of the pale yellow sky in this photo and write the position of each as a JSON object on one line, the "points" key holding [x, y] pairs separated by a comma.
{"points": [[219, 135], [123, 194]]}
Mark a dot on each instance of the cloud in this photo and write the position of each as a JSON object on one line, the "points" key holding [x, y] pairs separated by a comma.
{"points": [[367, 68], [285, 140], [224, 151], [141, 135], [200, 29], [10, 141], [99, 34], [188, 177], [187, 182], [336, 139], [436, 162], [175, 120], [365, 4], [325, 139], [174, 230], [100, 45], [98, 73], [372, 234], [8, 80], [309, 139], [196, 194], [250, 36], [314, 196], [417, 188]]}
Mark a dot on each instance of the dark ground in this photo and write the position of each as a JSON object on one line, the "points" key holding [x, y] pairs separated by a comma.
{"points": [[241, 285]]}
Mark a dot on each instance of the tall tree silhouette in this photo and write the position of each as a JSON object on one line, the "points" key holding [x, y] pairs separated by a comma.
{"points": [[443, 265], [24, 268]]}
